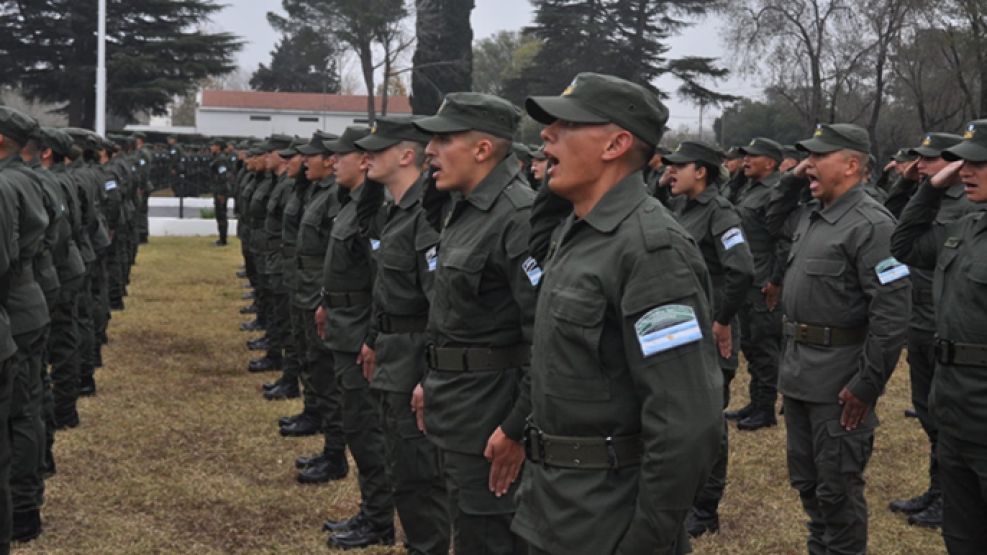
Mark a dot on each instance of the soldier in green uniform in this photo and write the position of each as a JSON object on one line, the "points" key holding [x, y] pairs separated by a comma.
{"points": [[174, 166], [760, 319], [394, 352], [693, 172], [476, 392], [145, 162], [221, 172], [846, 304], [9, 269], [956, 251], [626, 393], [925, 509], [347, 276], [29, 321]]}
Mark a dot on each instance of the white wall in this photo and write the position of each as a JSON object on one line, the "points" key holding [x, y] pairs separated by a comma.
{"points": [[173, 227], [212, 121]]}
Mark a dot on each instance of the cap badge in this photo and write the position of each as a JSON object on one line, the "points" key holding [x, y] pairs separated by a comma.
{"points": [[971, 130], [819, 131], [927, 141], [373, 128]]}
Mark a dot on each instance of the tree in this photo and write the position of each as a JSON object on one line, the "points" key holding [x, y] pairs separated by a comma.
{"points": [[774, 117], [500, 58], [304, 60], [627, 38], [155, 52], [443, 60]]}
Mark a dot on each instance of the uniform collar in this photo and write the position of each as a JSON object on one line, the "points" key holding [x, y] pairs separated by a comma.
{"points": [[956, 191], [617, 204], [705, 197], [326, 182], [486, 193], [412, 195], [838, 209]]}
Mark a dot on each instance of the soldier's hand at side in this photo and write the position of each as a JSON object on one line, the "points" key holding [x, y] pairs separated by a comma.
{"points": [[801, 168], [505, 456], [320, 321], [947, 176], [910, 170], [772, 293], [724, 339], [854, 410], [368, 359], [418, 406]]}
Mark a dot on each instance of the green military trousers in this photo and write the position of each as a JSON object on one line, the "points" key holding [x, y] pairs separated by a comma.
{"points": [[321, 389], [27, 429], [921, 349], [6, 511], [64, 346], [760, 331], [86, 356], [963, 475], [481, 520], [420, 495], [361, 426], [826, 465], [222, 222]]}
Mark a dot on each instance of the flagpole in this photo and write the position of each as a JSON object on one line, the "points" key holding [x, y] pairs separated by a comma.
{"points": [[101, 71]]}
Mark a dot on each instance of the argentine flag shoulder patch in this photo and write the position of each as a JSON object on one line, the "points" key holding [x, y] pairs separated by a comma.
{"points": [[432, 258], [890, 270], [532, 270], [667, 327], [732, 237], [110, 185], [374, 244]]}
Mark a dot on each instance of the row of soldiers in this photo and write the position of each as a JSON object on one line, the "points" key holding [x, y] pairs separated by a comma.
{"points": [[70, 226], [455, 327]]}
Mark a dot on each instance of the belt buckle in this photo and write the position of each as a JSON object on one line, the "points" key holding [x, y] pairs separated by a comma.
{"points": [[611, 454], [529, 433], [431, 357], [801, 333], [827, 336]]}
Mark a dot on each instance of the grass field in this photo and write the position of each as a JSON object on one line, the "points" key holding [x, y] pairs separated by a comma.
{"points": [[179, 453]]}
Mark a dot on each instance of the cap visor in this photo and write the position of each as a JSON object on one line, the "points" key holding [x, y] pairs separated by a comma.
{"points": [[375, 143], [440, 125], [969, 151], [339, 146], [925, 152], [549, 109], [677, 158], [288, 152], [815, 146], [311, 149]]}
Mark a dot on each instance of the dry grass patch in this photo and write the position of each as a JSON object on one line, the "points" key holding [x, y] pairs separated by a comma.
{"points": [[179, 453]]}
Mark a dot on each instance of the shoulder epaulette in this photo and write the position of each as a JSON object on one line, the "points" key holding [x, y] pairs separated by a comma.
{"points": [[520, 195]]}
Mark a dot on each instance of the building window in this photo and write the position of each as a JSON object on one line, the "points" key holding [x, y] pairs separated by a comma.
{"points": [[309, 120], [260, 118], [364, 121]]}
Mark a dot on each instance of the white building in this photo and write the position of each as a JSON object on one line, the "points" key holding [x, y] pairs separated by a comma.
{"points": [[260, 114]]}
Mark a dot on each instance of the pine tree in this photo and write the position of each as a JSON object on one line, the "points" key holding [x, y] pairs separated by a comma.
{"points": [[304, 60], [155, 52]]}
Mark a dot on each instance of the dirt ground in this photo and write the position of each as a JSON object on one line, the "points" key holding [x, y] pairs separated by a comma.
{"points": [[178, 452]]}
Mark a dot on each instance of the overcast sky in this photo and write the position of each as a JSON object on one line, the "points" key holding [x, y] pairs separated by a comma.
{"points": [[247, 18]]}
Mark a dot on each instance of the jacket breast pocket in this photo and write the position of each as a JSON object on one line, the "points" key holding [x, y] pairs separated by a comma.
{"points": [[461, 276], [575, 370], [944, 265], [827, 289]]}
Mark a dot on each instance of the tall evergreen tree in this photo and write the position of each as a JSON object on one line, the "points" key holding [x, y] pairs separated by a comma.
{"points": [[443, 60], [155, 51], [304, 60]]}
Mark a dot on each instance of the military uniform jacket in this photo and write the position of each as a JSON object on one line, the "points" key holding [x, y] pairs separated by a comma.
{"points": [[622, 349], [406, 263], [487, 284], [63, 225], [274, 226], [26, 305], [715, 225], [840, 274], [45, 269], [957, 251], [9, 255], [348, 268], [313, 240], [91, 194], [769, 252], [220, 170], [291, 221], [257, 211], [70, 190]]}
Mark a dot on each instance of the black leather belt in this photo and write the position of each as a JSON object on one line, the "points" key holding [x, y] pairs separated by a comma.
{"points": [[344, 299], [310, 262], [389, 323], [961, 354], [463, 359], [588, 453], [825, 336]]}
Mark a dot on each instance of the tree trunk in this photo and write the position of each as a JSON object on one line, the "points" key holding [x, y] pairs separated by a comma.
{"points": [[443, 60], [367, 66]]}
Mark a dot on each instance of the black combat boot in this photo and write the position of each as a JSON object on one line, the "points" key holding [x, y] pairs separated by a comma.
{"points": [[931, 517], [27, 525], [739, 414], [914, 505]]}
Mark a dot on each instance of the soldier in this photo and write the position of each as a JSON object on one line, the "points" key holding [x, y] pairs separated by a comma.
{"points": [[344, 319], [792, 157], [538, 166], [145, 184], [845, 303], [174, 164], [760, 319], [221, 172], [476, 392], [623, 317], [394, 351], [9, 270], [956, 250], [926, 509], [692, 174], [29, 321]]}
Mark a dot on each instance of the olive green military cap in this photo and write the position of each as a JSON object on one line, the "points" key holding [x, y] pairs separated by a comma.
{"points": [[57, 140], [346, 143], [218, 141], [317, 144], [903, 155], [761, 146], [470, 111], [256, 151], [934, 143], [694, 151], [276, 142], [733, 153], [973, 147], [390, 130], [597, 99], [292, 148], [522, 151], [830, 137], [537, 152], [16, 124], [139, 135], [789, 151]]}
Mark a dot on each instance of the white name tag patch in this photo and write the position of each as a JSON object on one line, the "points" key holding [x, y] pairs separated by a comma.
{"points": [[533, 271], [222, 170], [732, 237], [110, 185], [432, 258], [374, 244], [890, 270], [143, 161], [667, 327]]}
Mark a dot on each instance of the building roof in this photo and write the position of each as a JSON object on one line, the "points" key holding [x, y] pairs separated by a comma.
{"points": [[306, 102]]}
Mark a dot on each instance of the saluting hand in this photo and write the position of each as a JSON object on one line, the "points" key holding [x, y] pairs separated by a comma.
{"points": [[947, 176], [910, 171], [801, 168], [505, 456], [854, 410]]}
